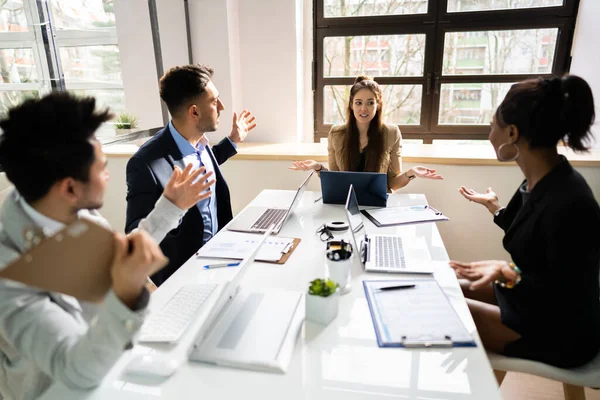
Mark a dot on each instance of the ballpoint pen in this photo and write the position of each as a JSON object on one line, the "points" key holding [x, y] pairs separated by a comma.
{"points": [[397, 287], [221, 265]]}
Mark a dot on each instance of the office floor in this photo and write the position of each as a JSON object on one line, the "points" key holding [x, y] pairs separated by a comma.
{"points": [[528, 387]]}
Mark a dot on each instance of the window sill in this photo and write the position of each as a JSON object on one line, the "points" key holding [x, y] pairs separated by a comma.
{"points": [[467, 154]]}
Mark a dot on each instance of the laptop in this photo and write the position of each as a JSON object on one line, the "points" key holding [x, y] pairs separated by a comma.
{"points": [[386, 253], [230, 290], [259, 219], [370, 187], [240, 331]]}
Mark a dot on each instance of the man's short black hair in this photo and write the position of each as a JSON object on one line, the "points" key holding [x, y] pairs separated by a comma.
{"points": [[49, 139], [180, 86]]}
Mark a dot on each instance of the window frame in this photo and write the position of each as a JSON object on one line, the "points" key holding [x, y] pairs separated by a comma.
{"points": [[435, 23]]}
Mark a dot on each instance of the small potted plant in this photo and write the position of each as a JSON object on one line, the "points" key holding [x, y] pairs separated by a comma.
{"points": [[126, 123], [322, 301]]}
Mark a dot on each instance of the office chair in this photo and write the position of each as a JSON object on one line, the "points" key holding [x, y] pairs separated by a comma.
{"points": [[573, 380]]}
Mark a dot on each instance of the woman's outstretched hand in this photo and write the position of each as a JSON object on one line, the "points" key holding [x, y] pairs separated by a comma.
{"points": [[423, 172], [489, 199], [306, 165]]}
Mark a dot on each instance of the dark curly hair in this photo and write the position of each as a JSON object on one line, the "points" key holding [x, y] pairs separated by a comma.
{"points": [[49, 139]]}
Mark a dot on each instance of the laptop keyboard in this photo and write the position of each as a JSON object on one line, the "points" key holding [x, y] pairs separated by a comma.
{"points": [[389, 252], [271, 216], [169, 323]]}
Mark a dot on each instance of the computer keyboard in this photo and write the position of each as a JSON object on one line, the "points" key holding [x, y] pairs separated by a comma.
{"points": [[271, 216], [169, 323], [389, 252]]}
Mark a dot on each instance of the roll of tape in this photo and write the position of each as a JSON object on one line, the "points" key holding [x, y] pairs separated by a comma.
{"points": [[337, 226]]}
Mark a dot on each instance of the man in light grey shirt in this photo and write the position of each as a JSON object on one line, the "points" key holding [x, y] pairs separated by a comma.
{"points": [[49, 152]]}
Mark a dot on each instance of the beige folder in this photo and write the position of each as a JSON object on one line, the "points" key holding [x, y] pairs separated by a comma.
{"points": [[75, 261]]}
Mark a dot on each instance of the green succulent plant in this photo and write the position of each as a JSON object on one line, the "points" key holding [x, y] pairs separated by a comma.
{"points": [[322, 287], [126, 121]]}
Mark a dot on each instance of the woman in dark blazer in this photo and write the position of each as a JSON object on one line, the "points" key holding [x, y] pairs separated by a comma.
{"points": [[366, 144], [544, 305]]}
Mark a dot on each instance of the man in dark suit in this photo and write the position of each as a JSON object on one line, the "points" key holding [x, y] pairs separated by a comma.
{"points": [[194, 104]]}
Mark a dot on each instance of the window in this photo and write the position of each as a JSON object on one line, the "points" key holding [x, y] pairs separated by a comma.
{"points": [[443, 66], [59, 45]]}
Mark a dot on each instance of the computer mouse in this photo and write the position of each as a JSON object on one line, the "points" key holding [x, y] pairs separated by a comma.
{"points": [[152, 366]]}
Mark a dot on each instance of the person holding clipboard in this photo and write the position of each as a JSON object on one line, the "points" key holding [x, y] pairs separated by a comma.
{"points": [[49, 153], [365, 143], [543, 304]]}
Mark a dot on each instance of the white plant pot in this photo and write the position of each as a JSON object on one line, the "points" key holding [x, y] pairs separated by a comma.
{"points": [[123, 131], [322, 310]]}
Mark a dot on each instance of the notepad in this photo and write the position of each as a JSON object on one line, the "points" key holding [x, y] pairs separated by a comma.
{"points": [[401, 215], [414, 317]]}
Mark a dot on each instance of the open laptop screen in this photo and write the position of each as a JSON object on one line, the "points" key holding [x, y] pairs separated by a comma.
{"points": [[355, 221], [297, 197]]}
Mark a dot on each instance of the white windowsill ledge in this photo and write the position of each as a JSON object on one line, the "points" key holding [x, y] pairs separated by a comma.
{"points": [[467, 154]]}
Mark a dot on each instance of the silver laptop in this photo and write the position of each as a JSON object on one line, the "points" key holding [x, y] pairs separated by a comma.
{"points": [[226, 296], [259, 219], [386, 253]]}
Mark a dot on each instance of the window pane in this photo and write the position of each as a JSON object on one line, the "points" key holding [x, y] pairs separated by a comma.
{"points": [[91, 64], [486, 5], [111, 98], [401, 104], [12, 98], [526, 51], [389, 55], [12, 16], [17, 66], [470, 103], [82, 14], [357, 8]]}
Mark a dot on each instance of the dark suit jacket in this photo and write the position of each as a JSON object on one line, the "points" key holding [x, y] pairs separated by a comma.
{"points": [[148, 171], [554, 238]]}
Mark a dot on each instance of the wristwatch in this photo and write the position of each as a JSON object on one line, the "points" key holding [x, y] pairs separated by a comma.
{"points": [[410, 177]]}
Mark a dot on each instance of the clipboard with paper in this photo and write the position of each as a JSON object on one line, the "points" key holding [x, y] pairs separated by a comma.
{"points": [[237, 245], [401, 215], [421, 316]]}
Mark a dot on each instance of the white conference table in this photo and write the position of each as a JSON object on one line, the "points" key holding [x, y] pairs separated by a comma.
{"points": [[337, 361]]}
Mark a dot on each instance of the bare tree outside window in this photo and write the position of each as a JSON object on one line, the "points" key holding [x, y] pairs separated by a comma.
{"points": [[524, 51], [354, 8], [375, 56], [487, 5]]}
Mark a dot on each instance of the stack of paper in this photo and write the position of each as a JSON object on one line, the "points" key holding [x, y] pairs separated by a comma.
{"points": [[404, 215], [237, 245]]}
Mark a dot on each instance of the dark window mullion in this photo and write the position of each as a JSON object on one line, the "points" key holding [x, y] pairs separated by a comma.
{"points": [[489, 78], [382, 80]]}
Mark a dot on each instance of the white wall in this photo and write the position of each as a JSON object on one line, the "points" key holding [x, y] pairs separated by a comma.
{"points": [[261, 63], [138, 66], [586, 58]]}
